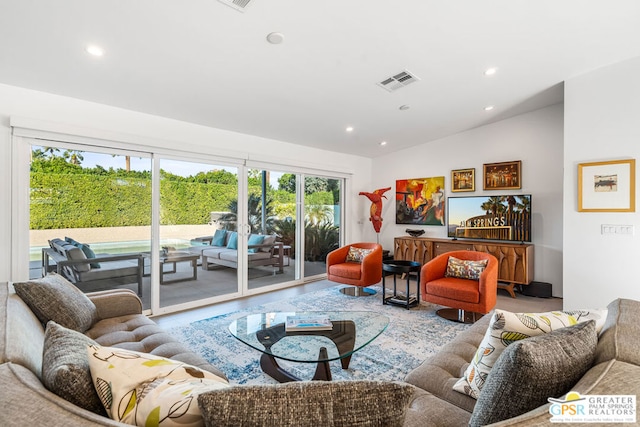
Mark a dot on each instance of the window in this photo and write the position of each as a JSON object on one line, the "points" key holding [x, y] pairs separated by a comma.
{"points": [[157, 214]]}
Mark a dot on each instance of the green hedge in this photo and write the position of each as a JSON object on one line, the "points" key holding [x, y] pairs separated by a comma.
{"points": [[90, 201], [77, 201]]}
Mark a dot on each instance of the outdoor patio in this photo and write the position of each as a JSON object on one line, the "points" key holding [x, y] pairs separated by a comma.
{"points": [[209, 283]]}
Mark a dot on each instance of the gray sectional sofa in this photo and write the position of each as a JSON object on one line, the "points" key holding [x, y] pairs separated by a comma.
{"points": [[614, 370], [119, 322]]}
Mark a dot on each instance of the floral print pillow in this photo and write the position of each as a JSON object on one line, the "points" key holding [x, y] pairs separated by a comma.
{"points": [[505, 328], [357, 254], [143, 389], [463, 269]]}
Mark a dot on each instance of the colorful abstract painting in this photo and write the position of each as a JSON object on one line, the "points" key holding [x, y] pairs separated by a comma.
{"points": [[420, 201]]}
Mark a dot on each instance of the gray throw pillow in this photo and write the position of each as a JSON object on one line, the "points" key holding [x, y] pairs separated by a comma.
{"points": [[74, 253], [531, 370], [55, 298], [268, 240], [65, 367], [308, 404]]}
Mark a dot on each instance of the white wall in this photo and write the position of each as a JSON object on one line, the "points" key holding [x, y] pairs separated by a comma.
{"points": [[535, 138], [602, 122], [144, 130]]}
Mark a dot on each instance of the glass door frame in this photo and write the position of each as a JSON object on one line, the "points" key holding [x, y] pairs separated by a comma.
{"points": [[300, 186], [301, 173], [21, 161], [156, 308]]}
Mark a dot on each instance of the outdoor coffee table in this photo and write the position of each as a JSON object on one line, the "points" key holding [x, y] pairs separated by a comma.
{"points": [[265, 332], [174, 257]]}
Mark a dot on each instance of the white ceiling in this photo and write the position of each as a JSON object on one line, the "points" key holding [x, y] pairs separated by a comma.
{"points": [[203, 62]]}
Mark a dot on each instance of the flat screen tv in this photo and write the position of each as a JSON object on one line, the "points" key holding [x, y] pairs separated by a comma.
{"points": [[503, 217]]}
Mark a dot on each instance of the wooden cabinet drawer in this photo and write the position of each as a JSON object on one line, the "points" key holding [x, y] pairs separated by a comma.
{"points": [[412, 249], [441, 247]]}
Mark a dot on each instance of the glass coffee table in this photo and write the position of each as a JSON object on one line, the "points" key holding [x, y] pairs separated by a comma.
{"points": [[265, 332]]}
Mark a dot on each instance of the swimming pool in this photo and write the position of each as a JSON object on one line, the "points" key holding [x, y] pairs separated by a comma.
{"points": [[114, 248]]}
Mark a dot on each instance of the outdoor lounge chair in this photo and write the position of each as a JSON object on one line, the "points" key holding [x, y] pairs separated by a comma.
{"points": [[91, 274]]}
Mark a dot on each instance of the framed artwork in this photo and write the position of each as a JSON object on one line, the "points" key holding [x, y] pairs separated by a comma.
{"points": [[463, 180], [607, 186], [502, 176], [420, 201]]}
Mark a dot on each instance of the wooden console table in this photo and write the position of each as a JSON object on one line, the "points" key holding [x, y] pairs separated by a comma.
{"points": [[515, 260]]}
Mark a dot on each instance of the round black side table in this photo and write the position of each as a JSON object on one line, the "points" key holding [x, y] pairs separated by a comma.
{"points": [[396, 267]]}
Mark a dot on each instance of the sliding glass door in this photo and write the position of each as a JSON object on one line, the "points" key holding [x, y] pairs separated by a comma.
{"points": [[321, 222], [196, 202], [177, 231], [271, 239], [303, 238], [87, 204]]}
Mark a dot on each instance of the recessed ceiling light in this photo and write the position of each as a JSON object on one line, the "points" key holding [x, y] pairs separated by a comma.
{"points": [[383, 143], [95, 50], [490, 71], [488, 108], [349, 129], [403, 107], [275, 38]]}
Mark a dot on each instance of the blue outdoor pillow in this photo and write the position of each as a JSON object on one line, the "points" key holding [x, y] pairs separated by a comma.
{"points": [[218, 238], [255, 239], [88, 252], [233, 241], [71, 240]]}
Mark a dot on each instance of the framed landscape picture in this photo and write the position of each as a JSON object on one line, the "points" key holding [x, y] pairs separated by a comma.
{"points": [[607, 186], [502, 176], [463, 180]]}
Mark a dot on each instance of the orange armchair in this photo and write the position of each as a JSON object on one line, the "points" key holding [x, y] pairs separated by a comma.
{"points": [[366, 273], [474, 296]]}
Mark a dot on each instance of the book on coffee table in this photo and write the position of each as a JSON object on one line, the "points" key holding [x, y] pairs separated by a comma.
{"points": [[308, 323]]}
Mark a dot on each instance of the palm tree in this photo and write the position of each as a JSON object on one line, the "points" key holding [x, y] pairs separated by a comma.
{"points": [[254, 205], [43, 153], [127, 162], [318, 213], [75, 157], [320, 239], [493, 205], [286, 231], [524, 203]]}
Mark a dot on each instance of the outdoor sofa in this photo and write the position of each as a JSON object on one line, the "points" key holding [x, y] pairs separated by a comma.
{"points": [[90, 272], [430, 400], [221, 249]]}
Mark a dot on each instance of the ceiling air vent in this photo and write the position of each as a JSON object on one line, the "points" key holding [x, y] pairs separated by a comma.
{"points": [[240, 5], [398, 81]]}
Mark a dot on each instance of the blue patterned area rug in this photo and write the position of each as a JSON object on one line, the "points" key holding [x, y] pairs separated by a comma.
{"points": [[411, 337]]}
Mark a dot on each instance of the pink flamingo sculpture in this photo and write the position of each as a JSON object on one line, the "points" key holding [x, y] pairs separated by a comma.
{"points": [[376, 206]]}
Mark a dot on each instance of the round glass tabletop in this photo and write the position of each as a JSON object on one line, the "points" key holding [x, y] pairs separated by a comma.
{"points": [[350, 331]]}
